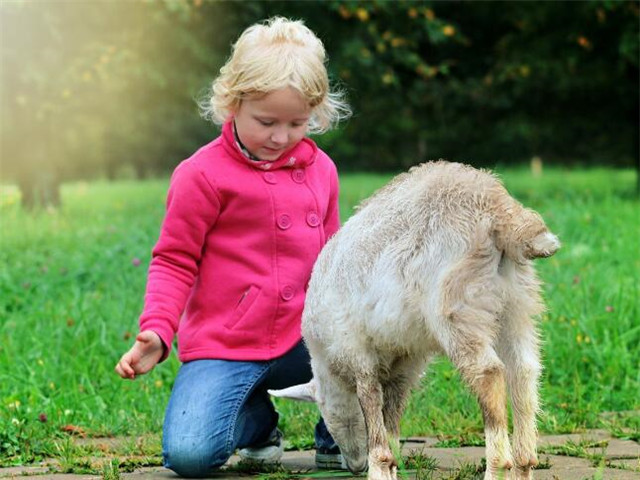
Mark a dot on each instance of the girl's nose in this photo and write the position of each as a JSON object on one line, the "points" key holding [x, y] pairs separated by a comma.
{"points": [[279, 135]]}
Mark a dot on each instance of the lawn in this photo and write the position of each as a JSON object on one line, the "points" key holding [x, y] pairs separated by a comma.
{"points": [[72, 283]]}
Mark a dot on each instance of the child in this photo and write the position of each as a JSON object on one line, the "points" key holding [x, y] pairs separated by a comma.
{"points": [[246, 217]]}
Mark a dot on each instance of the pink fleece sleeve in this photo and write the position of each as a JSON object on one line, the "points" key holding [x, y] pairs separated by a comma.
{"points": [[192, 209], [332, 219]]}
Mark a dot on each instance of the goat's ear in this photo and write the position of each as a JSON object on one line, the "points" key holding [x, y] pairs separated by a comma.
{"points": [[305, 392]]}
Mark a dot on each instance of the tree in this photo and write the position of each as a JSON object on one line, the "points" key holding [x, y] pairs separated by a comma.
{"points": [[482, 82], [88, 88]]}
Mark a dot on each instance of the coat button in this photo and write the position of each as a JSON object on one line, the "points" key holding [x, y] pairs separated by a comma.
{"points": [[313, 219], [284, 221], [287, 293], [270, 177], [298, 175]]}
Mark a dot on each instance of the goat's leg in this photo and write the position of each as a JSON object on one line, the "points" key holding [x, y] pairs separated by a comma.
{"points": [[467, 332], [342, 414], [406, 371], [485, 373], [382, 464], [520, 351]]}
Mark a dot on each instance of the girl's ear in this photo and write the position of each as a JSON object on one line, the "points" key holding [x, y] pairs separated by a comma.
{"points": [[234, 109]]}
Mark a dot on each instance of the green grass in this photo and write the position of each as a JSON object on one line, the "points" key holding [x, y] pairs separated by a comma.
{"points": [[71, 289]]}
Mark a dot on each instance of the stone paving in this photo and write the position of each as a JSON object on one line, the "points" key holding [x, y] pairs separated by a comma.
{"points": [[581, 452]]}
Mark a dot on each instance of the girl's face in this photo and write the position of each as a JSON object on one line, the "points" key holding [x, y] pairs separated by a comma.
{"points": [[270, 125]]}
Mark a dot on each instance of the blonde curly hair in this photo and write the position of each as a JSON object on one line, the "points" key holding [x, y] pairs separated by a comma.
{"points": [[271, 55]]}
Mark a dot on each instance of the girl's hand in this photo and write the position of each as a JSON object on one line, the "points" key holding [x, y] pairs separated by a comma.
{"points": [[142, 357]]}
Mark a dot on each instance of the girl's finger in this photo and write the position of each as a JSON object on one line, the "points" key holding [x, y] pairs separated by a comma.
{"points": [[125, 369]]}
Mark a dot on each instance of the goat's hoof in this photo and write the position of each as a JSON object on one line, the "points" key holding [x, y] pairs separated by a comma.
{"points": [[499, 469], [356, 467], [526, 461], [386, 468], [524, 470], [524, 467], [501, 464]]}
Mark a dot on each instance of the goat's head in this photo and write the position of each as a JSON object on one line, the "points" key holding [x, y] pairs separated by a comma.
{"points": [[343, 417]]}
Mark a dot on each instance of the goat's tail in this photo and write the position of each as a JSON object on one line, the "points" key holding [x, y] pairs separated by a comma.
{"points": [[542, 246], [521, 233]]}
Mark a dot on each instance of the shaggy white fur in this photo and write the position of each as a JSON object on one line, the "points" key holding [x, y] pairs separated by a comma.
{"points": [[436, 262]]}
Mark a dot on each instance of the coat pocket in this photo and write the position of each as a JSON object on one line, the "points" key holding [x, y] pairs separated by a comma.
{"points": [[247, 299]]}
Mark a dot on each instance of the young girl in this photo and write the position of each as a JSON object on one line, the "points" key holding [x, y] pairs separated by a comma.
{"points": [[246, 217]]}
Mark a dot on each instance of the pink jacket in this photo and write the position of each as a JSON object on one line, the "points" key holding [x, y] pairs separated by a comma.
{"points": [[230, 269]]}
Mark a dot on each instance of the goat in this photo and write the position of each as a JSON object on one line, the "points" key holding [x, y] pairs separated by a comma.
{"points": [[436, 262]]}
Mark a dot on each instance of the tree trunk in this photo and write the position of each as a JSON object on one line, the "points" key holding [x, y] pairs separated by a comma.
{"points": [[141, 170], [637, 162], [638, 177], [40, 190]]}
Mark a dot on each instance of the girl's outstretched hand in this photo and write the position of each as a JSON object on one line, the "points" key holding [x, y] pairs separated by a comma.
{"points": [[142, 357]]}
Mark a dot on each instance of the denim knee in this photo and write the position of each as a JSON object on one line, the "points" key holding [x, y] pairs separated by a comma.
{"points": [[195, 459]]}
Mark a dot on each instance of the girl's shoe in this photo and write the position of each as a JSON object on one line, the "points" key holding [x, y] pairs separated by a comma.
{"points": [[269, 451], [330, 459]]}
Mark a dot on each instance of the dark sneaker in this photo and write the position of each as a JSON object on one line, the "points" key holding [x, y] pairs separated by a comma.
{"points": [[269, 451], [330, 459]]}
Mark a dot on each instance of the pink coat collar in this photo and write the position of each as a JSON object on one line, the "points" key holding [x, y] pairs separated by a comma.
{"points": [[301, 155]]}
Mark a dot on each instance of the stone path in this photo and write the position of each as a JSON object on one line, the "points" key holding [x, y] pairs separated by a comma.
{"points": [[563, 457]]}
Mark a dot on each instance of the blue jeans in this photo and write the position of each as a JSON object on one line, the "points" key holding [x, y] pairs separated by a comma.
{"points": [[217, 406]]}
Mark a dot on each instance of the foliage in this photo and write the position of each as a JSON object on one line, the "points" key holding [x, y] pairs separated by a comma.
{"points": [[89, 89], [486, 83], [109, 90]]}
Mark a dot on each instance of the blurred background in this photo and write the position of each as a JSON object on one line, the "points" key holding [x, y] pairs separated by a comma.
{"points": [[108, 89]]}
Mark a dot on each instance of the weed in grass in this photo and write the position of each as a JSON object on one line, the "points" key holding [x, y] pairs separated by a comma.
{"points": [[624, 434], [254, 467], [616, 463], [23, 438], [110, 470], [79, 466], [146, 445], [284, 475], [468, 471], [544, 464], [415, 465], [423, 466], [598, 475], [623, 425], [465, 440], [325, 474], [68, 455], [130, 464], [275, 471], [583, 449]]}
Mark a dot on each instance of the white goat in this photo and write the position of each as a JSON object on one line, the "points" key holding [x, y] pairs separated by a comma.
{"points": [[436, 262]]}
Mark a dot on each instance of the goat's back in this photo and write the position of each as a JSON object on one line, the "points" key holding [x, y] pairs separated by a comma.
{"points": [[388, 262]]}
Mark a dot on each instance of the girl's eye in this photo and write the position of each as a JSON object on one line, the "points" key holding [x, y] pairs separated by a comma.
{"points": [[266, 123]]}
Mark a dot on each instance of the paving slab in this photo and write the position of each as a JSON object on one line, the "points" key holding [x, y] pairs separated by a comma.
{"points": [[622, 449], [583, 437], [622, 457]]}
